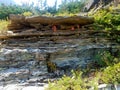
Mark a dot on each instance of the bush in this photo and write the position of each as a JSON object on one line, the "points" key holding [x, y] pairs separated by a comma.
{"points": [[111, 74], [76, 82], [28, 13], [105, 58], [108, 18]]}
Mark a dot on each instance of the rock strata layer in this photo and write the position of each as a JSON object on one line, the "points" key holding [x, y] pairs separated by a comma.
{"points": [[43, 23], [29, 58]]}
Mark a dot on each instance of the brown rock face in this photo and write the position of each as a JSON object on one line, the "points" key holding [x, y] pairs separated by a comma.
{"points": [[46, 23]]}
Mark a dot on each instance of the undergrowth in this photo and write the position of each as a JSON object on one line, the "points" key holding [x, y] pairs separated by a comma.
{"points": [[3, 26], [108, 19], [108, 73]]}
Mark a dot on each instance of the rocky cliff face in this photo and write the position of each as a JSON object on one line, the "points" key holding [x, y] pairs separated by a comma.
{"points": [[30, 58], [90, 4]]}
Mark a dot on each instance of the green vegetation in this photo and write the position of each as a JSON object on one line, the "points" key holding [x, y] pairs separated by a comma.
{"points": [[3, 25], [74, 82], [69, 83], [5, 10], [108, 72], [71, 6], [105, 58], [28, 13], [67, 7], [107, 64], [108, 19], [111, 74]]}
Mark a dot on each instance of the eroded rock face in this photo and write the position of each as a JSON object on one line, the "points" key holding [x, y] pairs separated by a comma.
{"points": [[30, 60], [79, 57], [21, 65], [41, 23]]}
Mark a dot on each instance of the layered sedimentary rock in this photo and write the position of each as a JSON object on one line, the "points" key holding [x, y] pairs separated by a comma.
{"points": [[31, 57], [46, 23]]}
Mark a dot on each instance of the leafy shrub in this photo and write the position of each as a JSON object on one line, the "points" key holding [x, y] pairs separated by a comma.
{"points": [[76, 82], [28, 13], [103, 59], [112, 74], [108, 18]]}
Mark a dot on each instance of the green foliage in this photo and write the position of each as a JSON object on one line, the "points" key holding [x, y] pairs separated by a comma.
{"points": [[108, 18], [115, 36], [111, 74], [67, 6], [72, 6], [103, 59], [52, 66], [3, 25], [51, 10], [75, 82], [28, 13], [5, 10]]}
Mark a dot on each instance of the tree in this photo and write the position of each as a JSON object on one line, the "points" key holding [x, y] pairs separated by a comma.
{"points": [[71, 6], [5, 10]]}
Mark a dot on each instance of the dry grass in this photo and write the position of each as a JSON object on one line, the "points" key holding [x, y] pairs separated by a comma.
{"points": [[3, 26]]}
